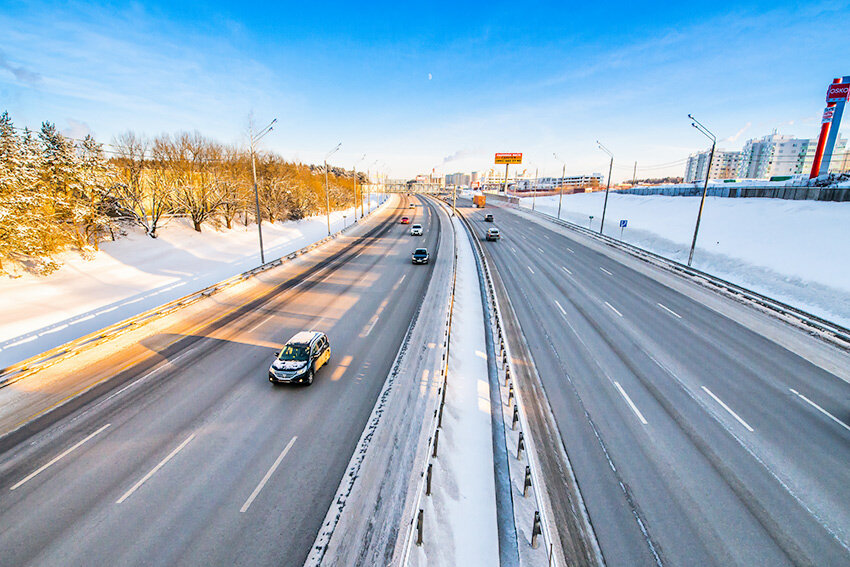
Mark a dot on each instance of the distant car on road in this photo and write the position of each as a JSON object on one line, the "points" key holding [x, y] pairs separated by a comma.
{"points": [[420, 256], [300, 358], [405, 220], [416, 230], [488, 217], [493, 234], [412, 205]]}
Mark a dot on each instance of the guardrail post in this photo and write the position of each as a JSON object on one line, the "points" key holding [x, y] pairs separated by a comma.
{"points": [[507, 376], [436, 440], [527, 483], [510, 394], [520, 445], [515, 418], [428, 479], [419, 527], [536, 529]]}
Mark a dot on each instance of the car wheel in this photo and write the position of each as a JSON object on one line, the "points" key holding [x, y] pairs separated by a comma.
{"points": [[310, 376]]}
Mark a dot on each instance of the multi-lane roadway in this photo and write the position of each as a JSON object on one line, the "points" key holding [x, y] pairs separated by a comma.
{"points": [[694, 439], [184, 453]]}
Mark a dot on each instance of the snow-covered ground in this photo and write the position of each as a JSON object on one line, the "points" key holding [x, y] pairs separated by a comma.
{"points": [[794, 251], [460, 514], [137, 273]]}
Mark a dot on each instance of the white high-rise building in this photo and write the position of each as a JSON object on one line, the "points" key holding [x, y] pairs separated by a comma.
{"points": [[723, 166], [773, 155]]}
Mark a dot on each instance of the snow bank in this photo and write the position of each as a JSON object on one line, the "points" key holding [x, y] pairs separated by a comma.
{"points": [[137, 273], [793, 251]]}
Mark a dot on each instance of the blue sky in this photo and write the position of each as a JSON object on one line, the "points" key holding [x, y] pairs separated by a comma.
{"points": [[442, 85]]}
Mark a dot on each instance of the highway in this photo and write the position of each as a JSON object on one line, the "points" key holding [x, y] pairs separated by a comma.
{"points": [[187, 455], [694, 439]]}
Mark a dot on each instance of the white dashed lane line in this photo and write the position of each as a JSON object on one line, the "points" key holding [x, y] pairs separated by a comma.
{"points": [[630, 402], [606, 271], [727, 408], [561, 308], [668, 310], [566, 270], [154, 470], [820, 409], [529, 269], [613, 309], [268, 475]]}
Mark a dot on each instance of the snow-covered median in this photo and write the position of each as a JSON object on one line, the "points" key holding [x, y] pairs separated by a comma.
{"points": [[793, 251], [460, 515], [137, 273]]}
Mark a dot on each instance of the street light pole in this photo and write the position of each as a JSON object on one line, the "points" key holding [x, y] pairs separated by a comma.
{"points": [[608, 186], [327, 193], [705, 132], [534, 190], [355, 191], [254, 140], [560, 183]]}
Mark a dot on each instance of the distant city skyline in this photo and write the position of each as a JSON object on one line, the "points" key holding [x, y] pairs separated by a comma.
{"points": [[439, 87]]}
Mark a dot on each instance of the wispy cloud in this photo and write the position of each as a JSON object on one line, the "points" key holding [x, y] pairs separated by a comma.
{"points": [[734, 137], [20, 73]]}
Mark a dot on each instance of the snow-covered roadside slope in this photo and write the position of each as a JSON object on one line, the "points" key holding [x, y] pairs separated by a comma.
{"points": [[134, 274], [794, 251]]}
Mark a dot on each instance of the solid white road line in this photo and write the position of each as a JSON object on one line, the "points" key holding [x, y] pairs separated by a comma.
{"points": [[613, 309], [566, 270], [153, 471], [727, 408], [668, 310], [41, 469], [268, 475], [529, 269], [606, 271], [820, 409], [630, 402], [561, 308]]}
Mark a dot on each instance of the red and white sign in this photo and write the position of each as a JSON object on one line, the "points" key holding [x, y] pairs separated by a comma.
{"points": [[838, 92], [827, 116], [508, 158]]}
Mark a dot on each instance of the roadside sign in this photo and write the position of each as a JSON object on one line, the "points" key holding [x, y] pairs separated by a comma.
{"points": [[507, 158], [838, 92], [828, 114], [624, 223]]}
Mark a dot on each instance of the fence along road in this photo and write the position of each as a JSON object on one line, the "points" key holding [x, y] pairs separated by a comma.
{"points": [[193, 457], [694, 439]]}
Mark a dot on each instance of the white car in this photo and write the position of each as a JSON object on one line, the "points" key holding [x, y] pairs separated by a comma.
{"points": [[416, 230]]}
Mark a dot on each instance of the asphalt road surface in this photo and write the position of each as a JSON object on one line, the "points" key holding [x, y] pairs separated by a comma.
{"points": [[694, 440], [204, 462]]}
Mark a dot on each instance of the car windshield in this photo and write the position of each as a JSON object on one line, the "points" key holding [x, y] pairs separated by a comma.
{"points": [[420, 251], [294, 352], [416, 226]]}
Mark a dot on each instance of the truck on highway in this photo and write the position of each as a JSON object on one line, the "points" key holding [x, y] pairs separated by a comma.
{"points": [[478, 201]]}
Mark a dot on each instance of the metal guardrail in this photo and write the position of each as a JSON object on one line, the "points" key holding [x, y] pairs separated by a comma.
{"points": [[32, 365], [819, 327]]}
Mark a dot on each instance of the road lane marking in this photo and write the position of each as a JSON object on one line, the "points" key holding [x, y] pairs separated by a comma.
{"points": [[570, 250], [154, 470], [630, 402], [606, 271], [566, 270], [561, 308], [668, 310], [613, 309], [529, 269], [541, 250], [269, 474], [820, 409], [55, 460], [727, 408], [343, 366]]}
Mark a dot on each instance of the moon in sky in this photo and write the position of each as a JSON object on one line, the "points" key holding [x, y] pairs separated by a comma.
{"points": [[429, 76]]}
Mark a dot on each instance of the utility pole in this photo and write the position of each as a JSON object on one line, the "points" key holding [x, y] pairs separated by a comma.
{"points": [[607, 187], [705, 132], [634, 175], [506, 179], [327, 193], [254, 140], [560, 183], [534, 190]]}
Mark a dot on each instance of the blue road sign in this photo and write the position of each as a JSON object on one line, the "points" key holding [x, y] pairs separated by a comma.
{"points": [[624, 223]]}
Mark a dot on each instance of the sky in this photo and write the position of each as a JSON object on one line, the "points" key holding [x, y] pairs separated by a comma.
{"points": [[439, 86]]}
